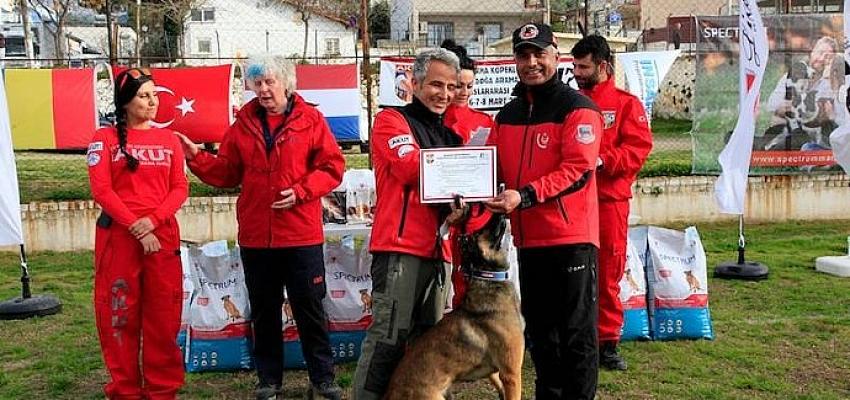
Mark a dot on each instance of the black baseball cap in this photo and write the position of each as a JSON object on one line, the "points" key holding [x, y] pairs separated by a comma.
{"points": [[538, 35]]}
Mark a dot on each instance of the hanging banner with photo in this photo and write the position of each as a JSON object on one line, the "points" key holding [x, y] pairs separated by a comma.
{"points": [[494, 82], [644, 73], [799, 99]]}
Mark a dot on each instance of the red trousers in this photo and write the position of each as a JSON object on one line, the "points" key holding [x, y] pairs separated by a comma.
{"points": [[137, 299], [613, 233]]}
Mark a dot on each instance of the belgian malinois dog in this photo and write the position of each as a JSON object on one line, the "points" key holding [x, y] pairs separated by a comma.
{"points": [[483, 337]]}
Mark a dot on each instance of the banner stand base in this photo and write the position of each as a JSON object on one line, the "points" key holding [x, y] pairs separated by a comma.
{"points": [[748, 270], [35, 306]]}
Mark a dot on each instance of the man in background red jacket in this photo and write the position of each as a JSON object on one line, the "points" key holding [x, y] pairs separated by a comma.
{"points": [[626, 142]]}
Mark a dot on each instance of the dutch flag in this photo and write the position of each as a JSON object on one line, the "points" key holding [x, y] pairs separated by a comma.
{"points": [[336, 91]]}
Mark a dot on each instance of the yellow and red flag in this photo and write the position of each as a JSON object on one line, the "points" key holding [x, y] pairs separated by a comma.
{"points": [[51, 108]]}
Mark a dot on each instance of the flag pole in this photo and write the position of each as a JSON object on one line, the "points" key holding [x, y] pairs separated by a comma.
{"points": [[28, 306], [741, 269]]}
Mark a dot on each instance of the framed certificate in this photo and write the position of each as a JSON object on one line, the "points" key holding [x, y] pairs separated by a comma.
{"points": [[467, 171]]}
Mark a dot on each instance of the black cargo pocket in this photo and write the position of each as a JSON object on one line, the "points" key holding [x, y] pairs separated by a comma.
{"points": [[380, 270]]}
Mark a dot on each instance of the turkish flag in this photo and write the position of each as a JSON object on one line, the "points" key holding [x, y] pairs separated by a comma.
{"points": [[194, 101]]}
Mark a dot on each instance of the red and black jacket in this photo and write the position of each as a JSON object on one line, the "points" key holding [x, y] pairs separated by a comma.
{"points": [[548, 142], [402, 224]]}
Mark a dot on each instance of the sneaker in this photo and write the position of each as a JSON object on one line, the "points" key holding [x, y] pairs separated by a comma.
{"points": [[266, 391], [610, 359], [326, 391]]}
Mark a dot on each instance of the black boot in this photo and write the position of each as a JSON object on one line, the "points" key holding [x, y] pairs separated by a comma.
{"points": [[609, 358]]}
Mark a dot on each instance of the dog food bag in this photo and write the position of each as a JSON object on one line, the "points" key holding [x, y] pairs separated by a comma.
{"points": [[188, 292], [348, 302], [633, 296], [219, 315], [349, 288], [679, 280]]}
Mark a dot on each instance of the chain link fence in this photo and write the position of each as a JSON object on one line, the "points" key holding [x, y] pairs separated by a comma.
{"points": [[170, 33]]}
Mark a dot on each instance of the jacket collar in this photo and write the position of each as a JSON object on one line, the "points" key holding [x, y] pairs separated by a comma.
{"points": [[250, 114], [600, 88], [420, 112], [540, 92]]}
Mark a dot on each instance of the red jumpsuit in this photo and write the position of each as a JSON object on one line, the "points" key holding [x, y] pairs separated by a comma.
{"points": [[135, 295], [626, 142]]}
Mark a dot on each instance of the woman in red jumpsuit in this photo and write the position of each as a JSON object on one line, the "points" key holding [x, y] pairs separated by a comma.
{"points": [[137, 177], [466, 122], [463, 119]]}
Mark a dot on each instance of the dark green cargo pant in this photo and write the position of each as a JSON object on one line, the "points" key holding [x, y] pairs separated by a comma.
{"points": [[406, 300]]}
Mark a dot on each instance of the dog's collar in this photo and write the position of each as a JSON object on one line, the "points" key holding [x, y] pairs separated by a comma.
{"points": [[501, 276]]}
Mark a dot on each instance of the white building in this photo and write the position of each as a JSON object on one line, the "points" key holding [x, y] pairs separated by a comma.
{"points": [[240, 28]]}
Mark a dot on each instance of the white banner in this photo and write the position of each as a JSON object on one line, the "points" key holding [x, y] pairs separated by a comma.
{"points": [[10, 201], [494, 82], [731, 188], [839, 139], [644, 72]]}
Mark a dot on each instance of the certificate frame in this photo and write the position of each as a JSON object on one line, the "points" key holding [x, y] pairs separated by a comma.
{"points": [[442, 162]]}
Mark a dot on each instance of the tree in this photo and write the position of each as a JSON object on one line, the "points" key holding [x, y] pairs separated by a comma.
{"points": [[379, 21], [57, 13]]}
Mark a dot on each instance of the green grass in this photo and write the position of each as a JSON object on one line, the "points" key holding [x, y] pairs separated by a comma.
{"points": [[784, 338], [671, 128]]}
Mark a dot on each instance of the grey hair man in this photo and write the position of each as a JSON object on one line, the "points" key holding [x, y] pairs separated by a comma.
{"points": [[408, 268]]}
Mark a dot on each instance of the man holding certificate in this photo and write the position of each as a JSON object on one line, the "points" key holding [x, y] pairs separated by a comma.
{"points": [[408, 269], [547, 140]]}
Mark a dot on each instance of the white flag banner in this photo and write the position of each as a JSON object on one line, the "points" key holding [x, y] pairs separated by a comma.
{"points": [[644, 72], [731, 188], [839, 139], [10, 201]]}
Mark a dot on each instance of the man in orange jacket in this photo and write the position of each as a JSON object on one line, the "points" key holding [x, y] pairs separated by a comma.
{"points": [[626, 142]]}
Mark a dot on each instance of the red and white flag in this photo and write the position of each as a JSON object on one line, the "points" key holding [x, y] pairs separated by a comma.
{"points": [[731, 188], [194, 101]]}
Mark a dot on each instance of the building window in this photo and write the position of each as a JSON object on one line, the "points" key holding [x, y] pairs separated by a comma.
{"points": [[204, 46], [439, 31], [492, 31], [202, 15], [332, 47]]}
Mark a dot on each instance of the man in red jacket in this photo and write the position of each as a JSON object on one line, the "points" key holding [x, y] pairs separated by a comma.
{"points": [[548, 142], [626, 142], [409, 275]]}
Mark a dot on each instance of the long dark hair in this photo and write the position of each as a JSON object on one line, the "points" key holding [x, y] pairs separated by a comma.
{"points": [[127, 84], [460, 51]]}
